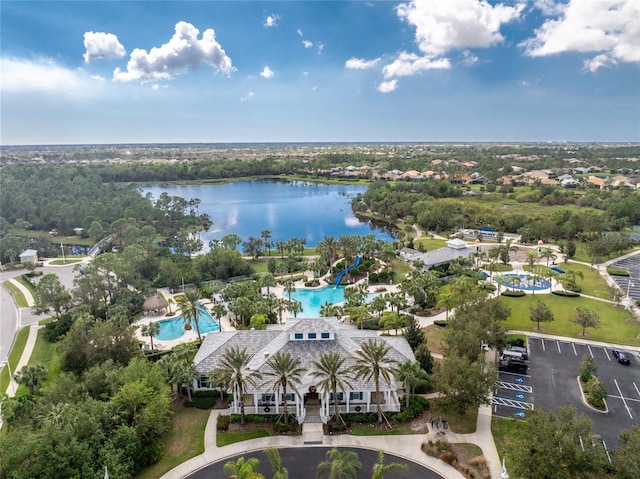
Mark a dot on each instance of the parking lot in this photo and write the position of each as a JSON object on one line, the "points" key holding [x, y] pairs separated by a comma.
{"points": [[551, 381]]}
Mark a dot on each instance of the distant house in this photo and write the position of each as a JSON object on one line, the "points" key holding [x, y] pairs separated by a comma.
{"points": [[78, 231], [456, 248], [307, 339], [29, 256]]}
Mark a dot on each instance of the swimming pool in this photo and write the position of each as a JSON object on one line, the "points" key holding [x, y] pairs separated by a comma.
{"points": [[527, 282], [313, 299], [173, 328]]}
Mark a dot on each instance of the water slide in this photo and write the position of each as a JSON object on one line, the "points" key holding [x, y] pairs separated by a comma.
{"points": [[342, 273]]}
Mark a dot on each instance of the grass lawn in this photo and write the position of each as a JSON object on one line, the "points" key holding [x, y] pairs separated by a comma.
{"points": [[225, 438], [19, 298], [435, 338], [46, 354], [400, 268], [592, 283], [260, 265], [14, 357], [461, 424], [184, 441], [59, 262], [30, 287], [429, 244], [503, 430], [616, 324], [368, 430]]}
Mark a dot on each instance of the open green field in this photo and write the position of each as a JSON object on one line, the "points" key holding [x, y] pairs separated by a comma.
{"points": [[184, 441], [14, 357], [617, 325], [46, 354], [429, 244], [17, 294], [592, 283]]}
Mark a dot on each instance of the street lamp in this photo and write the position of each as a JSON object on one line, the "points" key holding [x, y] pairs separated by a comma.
{"points": [[2, 364]]}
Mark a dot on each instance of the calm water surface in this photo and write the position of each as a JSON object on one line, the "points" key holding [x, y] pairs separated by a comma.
{"points": [[288, 209]]}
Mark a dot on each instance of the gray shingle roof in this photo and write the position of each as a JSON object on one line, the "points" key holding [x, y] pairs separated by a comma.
{"points": [[263, 344]]}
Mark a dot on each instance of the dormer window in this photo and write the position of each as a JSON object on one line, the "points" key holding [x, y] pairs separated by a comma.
{"points": [[325, 336], [312, 336]]}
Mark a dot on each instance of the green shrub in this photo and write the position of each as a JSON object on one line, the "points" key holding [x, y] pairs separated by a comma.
{"points": [[568, 294], [417, 405], [253, 418], [441, 322], [383, 275], [489, 287], [203, 399], [513, 294], [617, 271], [374, 278], [222, 423], [361, 417]]}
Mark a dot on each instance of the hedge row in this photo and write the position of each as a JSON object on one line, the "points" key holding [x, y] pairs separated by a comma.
{"points": [[513, 294], [568, 294], [617, 271]]}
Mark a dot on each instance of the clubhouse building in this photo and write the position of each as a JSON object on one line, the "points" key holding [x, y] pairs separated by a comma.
{"points": [[307, 339]]}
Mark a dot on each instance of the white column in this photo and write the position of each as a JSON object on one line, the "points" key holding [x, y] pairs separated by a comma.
{"points": [[368, 401], [255, 401]]}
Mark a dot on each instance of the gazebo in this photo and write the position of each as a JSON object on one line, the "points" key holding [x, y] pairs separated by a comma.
{"points": [[155, 303]]}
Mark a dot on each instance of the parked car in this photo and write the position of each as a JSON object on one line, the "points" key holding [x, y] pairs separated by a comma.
{"points": [[517, 366], [521, 350], [621, 357]]}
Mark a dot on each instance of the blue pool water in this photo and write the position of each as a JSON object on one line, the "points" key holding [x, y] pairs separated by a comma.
{"points": [[526, 282], [312, 299], [171, 329]]}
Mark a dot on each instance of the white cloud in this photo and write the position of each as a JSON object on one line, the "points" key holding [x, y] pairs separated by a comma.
{"points": [[607, 27], [442, 26], [97, 77], [156, 87], [360, 63], [102, 46], [247, 97], [271, 21], [469, 58], [267, 73], [409, 64], [320, 48], [388, 86], [23, 76], [299, 32], [599, 61], [307, 43], [182, 52]]}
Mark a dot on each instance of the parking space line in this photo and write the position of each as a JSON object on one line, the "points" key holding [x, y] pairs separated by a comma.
{"points": [[543, 348], [574, 349], [558, 343], [606, 353], [590, 352], [623, 400], [634, 385]]}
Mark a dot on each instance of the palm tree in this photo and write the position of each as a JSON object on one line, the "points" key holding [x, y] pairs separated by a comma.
{"points": [[391, 319], [332, 375], [267, 281], [378, 304], [289, 288], [548, 253], [348, 246], [413, 376], [279, 472], [568, 280], [266, 237], [31, 377], [328, 309], [185, 374], [532, 258], [234, 373], [188, 303], [339, 465], [285, 371], [241, 469], [218, 311], [328, 246], [380, 468], [373, 362], [448, 301], [152, 329]]}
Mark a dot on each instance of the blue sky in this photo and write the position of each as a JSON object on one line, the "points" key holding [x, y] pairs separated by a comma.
{"points": [[231, 71]]}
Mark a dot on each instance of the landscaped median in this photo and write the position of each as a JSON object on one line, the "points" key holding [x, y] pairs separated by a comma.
{"points": [[14, 358]]}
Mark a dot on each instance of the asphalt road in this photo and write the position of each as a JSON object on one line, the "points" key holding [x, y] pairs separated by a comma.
{"points": [[12, 319], [302, 463]]}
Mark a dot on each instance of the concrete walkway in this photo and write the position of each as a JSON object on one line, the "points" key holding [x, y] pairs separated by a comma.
{"points": [[27, 294]]}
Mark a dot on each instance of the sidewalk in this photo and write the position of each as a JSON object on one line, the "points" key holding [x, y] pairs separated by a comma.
{"points": [[27, 294], [24, 360]]}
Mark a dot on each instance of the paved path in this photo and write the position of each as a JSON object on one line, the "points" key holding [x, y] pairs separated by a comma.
{"points": [[27, 294]]}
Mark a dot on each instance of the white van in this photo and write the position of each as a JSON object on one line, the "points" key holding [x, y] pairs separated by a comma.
{"points": [[506, 354]]}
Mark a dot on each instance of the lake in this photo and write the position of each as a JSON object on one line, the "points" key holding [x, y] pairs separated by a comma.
{"points": [[289, 209]]}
